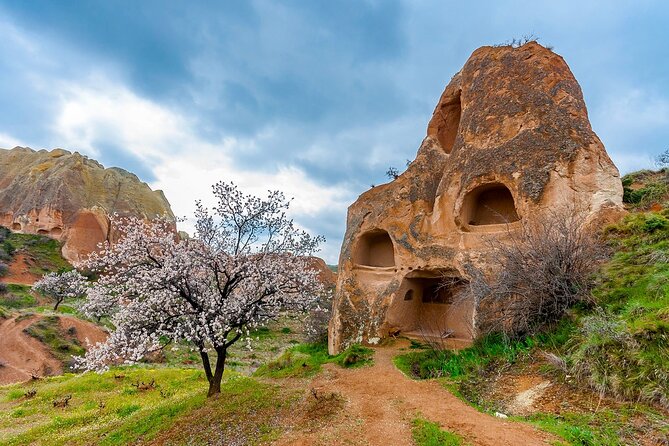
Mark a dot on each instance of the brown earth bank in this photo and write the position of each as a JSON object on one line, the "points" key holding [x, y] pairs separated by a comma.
{"points": [[380, 402], [19, 271], [22, 357]]}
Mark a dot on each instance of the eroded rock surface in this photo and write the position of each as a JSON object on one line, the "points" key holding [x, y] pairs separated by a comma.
{"points": [[509, 140], [68, 196]]}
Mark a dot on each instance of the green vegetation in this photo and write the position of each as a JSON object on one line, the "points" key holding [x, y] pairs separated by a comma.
{"points": [[45, 252], [112, 409], [623, 348], [426, 433], [247, 412], [487, 351], [63, 344], [618, 347], [306, 360], [645, 187], [17, 296], [101, 409]]}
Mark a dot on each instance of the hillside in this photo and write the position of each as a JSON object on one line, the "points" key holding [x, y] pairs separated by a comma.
{"points": [[68, 197]]}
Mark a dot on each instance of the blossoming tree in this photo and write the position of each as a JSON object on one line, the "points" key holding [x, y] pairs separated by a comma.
{"points": [[58, 287], [246, 263]]}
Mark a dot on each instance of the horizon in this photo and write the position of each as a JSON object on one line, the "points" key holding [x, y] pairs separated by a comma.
{"points": [[185, 96]]}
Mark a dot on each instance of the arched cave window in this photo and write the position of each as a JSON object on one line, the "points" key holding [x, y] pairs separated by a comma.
{"points": [[445, 127], [489, 204], [16, 226], [56, 231], [376, 249], [43, 232]]}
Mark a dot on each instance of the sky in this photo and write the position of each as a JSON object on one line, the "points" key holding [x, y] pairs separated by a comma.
{"points": [[314, 98]]}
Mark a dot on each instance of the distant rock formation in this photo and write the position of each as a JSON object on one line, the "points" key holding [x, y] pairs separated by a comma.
{"points": [[509, 140], [68, 196]]}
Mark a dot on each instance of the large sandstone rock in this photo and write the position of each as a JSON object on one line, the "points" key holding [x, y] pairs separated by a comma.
{"points": [[68, 196], [508, 141]]}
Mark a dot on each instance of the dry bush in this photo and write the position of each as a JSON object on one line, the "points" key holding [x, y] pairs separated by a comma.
{"points": [[538, 273]]}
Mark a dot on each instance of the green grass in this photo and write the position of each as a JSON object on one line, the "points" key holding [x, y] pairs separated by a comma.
{"points": [[469, 362], [62, 344], [426, 433], [247, 412], [17, 296], [623, 348], [305, 360], [105, 408], [45, 251], [606, 427]]}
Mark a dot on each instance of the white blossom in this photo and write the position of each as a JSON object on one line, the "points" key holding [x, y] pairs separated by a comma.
{"points": [[245, 264], [60, 286]]}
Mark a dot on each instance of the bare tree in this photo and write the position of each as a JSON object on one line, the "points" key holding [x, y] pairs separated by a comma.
{"points": [[393, 173], [662, 160], [542, 270]]}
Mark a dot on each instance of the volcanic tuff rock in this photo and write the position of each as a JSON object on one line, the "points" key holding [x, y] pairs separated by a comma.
{"points": [[508, 141], [68, 196]]}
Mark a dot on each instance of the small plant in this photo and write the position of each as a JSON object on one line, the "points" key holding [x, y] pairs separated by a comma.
{"points": [[392, 173], [30, 393], [143, 387], [426, 433], [62, 402], [662, 160]]}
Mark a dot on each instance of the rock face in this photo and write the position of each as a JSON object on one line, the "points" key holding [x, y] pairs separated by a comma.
{"points": [[508, 141], [68, 197]]}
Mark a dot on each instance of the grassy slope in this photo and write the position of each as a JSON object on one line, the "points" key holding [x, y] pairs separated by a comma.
{"points": [[620, 348], [306, 360], [46, 252], [105, 409]]}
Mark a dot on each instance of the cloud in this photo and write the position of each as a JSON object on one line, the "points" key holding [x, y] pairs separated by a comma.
{"points": [[182, 163], [8, 141]]}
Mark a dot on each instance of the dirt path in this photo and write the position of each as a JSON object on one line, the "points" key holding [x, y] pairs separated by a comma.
{"points": [[21, 355], [381, 402]]}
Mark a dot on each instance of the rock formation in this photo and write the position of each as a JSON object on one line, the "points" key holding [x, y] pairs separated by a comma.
{"points": [[508, 141], [68, 196]]}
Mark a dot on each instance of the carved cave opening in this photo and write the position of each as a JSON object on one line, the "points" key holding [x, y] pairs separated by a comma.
{"points": [[430, 305], [375, 249], [16, 226], [490, 204], [447, 129], [56, 232]]}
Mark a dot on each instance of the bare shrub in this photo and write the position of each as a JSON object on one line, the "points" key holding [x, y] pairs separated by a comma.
{"points": [[538, 273], [318, 319]]}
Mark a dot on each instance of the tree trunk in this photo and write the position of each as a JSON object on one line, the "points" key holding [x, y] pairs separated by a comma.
{"points": [[58, 301], [217, 377]]}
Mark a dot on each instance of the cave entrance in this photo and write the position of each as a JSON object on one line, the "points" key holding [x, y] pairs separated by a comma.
{"points": [[431, 305], [490, 204], [375, 249], [16, 226], [446, 122]]}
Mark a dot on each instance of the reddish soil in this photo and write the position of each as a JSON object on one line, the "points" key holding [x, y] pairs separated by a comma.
{"points": [[23, 356], [381, 402], [86, 332], [19, 271]]}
